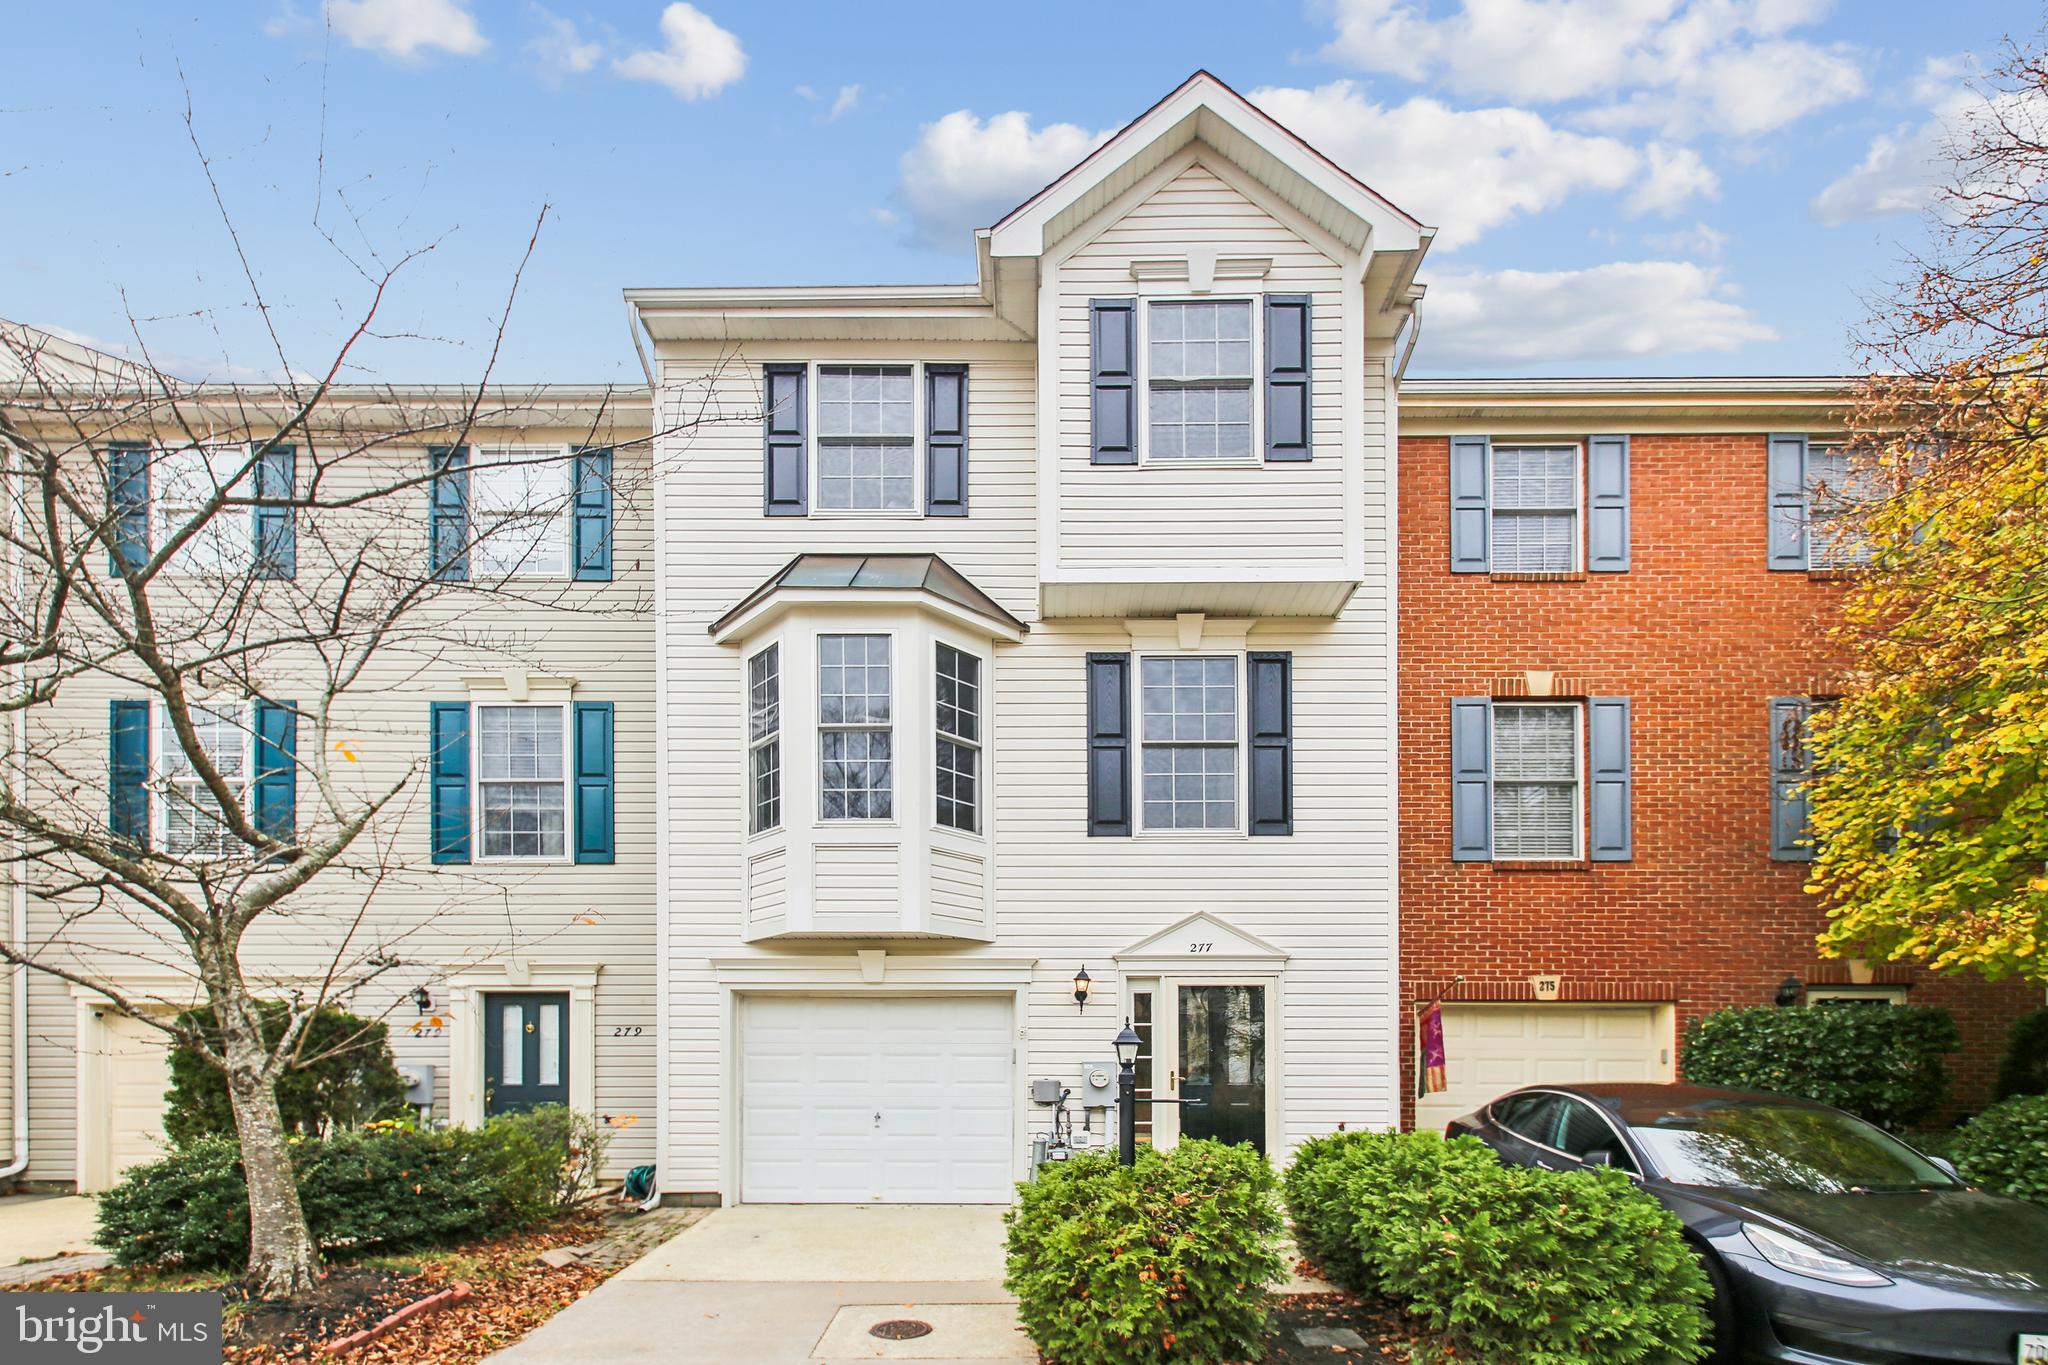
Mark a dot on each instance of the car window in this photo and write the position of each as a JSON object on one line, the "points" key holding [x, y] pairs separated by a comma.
{"points": [[1764, 1146], [1531, 1116], [1582, 1131]]}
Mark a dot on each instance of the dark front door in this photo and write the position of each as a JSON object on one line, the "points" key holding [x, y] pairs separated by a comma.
{"points": [[526, 1051], [1223, 1063]]}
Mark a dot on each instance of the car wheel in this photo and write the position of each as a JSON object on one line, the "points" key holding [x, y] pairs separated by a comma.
{"points": [[1725, 1348]]}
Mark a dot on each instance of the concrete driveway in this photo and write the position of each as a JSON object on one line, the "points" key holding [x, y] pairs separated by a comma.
{"points": [[796, 1285], [46, 1234]]}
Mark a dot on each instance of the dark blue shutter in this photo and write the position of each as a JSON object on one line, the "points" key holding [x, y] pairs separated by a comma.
{"points": [[785, 461], [1287, 373], [1113, 379], [1791, 770], [1609, 783], [592, 524], [128, 771], [275, 804], [1472, 779], [276, 527], [128, 505], [1269, 689], [1607, 504], [594, 783], [448, 734], [448, 513], [945, 440], [1786, 474], [1470, 456], [1109, 744]]}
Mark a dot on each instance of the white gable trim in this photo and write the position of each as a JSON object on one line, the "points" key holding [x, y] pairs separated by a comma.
{"points": [[1202, 943]]}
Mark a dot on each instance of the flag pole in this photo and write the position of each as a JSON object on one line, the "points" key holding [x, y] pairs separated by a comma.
{"points": [[1416, 1011]]}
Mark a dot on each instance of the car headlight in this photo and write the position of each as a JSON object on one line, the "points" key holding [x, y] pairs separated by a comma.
{"points": [[1803, 1258]]}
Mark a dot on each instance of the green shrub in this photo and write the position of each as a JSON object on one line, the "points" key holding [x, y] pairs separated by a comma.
{"points": [[387, 1186], [1883, 1065], [1517, 1266], [349, 1080], [564, 1155], [2024, 1068], [2005, 1148], [1167, 1260]]}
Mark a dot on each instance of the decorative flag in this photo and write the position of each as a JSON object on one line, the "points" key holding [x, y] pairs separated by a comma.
{"points": [[1431, 1028]]}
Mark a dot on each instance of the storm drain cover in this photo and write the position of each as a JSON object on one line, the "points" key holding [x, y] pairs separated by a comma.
{"points": [[900, 1329]]}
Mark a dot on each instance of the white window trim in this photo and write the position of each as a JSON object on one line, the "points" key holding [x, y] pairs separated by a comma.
{"points": [[476, 782], [1494, 509], [481, 456], [1578, 710], [748, 743], [982, 746], [894, 818], [1858, 553], [1891, 995], [815, 440], [1143, 363], [162, 741], [1138, 744]]}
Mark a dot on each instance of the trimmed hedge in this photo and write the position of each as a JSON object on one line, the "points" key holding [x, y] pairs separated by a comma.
{"points": [[2024, 1068], [2005, 1148], [353, 1081], [1167, 1260], [1517, 1265], [1883, 1065], [387, 1186]]}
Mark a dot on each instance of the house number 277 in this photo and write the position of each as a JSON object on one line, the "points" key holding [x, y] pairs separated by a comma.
{"points": [[1200, 947]]}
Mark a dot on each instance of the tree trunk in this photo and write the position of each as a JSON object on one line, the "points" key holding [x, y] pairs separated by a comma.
{"points": [[281, 1253]]}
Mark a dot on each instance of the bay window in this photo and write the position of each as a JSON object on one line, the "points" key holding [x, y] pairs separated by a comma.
{"points": [[764, 737], [856, 778], [957, 689]]}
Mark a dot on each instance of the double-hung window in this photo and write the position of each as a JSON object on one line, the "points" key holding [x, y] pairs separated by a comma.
{"points": [[856, 773], [1834, 489], [1535, 501], [1536, 780], [521, 763], [519, 512], [1188, 736], [867, 443], [187, 480], [764, 737], [192, 823], [957, 689], [1199, 380]]}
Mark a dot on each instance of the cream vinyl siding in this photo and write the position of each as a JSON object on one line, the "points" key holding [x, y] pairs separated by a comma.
{"points": [[1167, 513], [437, 919]]}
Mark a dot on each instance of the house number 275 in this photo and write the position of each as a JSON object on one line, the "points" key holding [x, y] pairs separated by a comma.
{"points": [[1200, 947]]}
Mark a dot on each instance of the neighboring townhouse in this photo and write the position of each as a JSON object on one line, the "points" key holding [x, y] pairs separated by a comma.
{"points": [[514, 878], [1615, 597], [1036, 625]]}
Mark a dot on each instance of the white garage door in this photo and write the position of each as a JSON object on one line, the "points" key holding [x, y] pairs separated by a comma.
{"points": [[1492, 1049], [856, 1101], [127, 1070]]}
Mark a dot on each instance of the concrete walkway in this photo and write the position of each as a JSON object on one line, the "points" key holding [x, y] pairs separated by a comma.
{"points": [[47, 1234], [799, 1285]]}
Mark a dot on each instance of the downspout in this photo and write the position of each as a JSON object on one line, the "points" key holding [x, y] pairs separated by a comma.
{"points": [[1414, 331], [17, 1051], [633, 329]]}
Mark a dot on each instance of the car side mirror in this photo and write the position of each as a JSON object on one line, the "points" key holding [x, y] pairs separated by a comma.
{"points": [[1600, 1156], [1948, 1167]]}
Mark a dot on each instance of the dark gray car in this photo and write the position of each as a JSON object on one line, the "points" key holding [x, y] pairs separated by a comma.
{"points": [[1829, 1242]]}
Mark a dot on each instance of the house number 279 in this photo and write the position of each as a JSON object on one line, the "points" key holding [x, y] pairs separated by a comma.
{"points": [[1200, 947]]}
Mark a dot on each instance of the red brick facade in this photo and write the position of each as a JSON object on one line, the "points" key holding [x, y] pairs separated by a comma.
{"points": [[1699, 634]]}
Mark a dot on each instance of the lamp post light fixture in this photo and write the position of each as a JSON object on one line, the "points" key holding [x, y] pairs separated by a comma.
{"points": [[421, 1000], [1127, 1044], [1788, 992], [1082, 981]]}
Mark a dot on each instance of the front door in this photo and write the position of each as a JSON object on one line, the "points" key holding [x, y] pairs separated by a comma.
{"points": [[526, 1051], [1216, 1065]]}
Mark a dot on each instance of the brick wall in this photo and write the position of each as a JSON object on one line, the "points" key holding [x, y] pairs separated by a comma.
{"points": [[1699, 634]]}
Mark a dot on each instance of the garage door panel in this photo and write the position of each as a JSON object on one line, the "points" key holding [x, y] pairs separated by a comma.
{"points": [[1492, 1049], [937, 1071]]}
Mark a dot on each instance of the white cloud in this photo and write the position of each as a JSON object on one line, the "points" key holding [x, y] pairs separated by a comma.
{"points": [[1470, 170], [405, 29], [697, 58], [964, 174], [845, 101], [1627, 310], [1672, 177], [1682, 65], [561, 49], [1697, 240], [886, 217]]}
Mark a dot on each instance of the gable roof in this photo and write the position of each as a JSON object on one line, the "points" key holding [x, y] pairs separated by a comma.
{"points": [[1204, 107], [887, 575]]}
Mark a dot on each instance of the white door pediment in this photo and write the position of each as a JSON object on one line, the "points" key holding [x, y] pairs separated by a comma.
{"points": [[1201, 942]]}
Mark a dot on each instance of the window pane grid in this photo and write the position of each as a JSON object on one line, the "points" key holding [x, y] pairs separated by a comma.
{"points": [[1535, 782], [856, 768], [188, 479], [1833, 490], [519, 513], [1535, 509], [957, 690], [1199, 380], [864, 400], [764, 736], [522, 795], [866, 475], [194, 826], [1188, 726]]}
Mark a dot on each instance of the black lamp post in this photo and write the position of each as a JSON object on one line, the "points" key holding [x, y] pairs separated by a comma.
{"points": [[1127, 1044]]}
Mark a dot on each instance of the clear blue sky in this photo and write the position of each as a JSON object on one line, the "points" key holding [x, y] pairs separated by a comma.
{"points": [[1623, 186]]}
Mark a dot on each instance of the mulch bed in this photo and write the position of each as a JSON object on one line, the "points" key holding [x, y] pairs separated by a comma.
{"points": [[1390, 1335], [511, 1296]]}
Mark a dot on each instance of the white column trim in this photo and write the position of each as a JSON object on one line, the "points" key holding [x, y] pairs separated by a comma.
{"points": [[466, 990]]}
